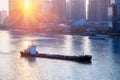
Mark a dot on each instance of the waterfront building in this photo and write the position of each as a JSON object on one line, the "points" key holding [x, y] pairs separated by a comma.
{"points": [[46, 6], [3, 16], [98, 11], [118, 7], [116, 16], [59, 10], [0, 18], [119, 15], [76, 10]]}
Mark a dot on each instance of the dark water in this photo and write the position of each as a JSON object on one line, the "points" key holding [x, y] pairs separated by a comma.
{"points": [[105, 63]]}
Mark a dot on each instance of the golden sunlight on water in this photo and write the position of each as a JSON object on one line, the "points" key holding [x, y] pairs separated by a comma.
{"points": [[86, 48], [24, 69], [105, 63], [68, 44], [5, 41]]}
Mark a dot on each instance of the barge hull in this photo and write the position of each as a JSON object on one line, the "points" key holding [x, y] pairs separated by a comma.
{"points": [[61, 57]]}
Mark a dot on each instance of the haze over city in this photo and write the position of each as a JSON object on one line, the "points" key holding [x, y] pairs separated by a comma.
{"points": [[3, 4], [59, 39]]}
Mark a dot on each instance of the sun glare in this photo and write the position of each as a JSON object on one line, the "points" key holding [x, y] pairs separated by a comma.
{"points": [[26, 3], [67, 0], [31, 13], [27, 43]]}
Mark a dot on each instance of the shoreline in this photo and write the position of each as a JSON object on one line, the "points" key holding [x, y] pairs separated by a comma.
{"points": [[64, 33]]}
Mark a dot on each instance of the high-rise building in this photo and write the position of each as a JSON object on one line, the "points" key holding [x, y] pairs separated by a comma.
{"points": [[76, 10], [92, 10], [114, 18], [117, 2], [47, 11], [0, 18], [118, 7], [59, 9], [3, 16], [46, 6], [98, 10]]}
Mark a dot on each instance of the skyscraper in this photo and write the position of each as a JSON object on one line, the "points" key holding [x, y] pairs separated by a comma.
{"points": [[76, 10], [117, 2], [118, 7], [0, 17], [92, 10], [114, 18], [98, 10], [59, 9], [3, 16], [46, 6]]}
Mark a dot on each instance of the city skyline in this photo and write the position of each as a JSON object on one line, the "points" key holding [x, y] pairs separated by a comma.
{"points": [[4, 4]]}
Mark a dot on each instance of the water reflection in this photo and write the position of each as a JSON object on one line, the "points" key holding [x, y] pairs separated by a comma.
{"points": [[105, 63], [68, 47], [29, 59], [86, 46], [116, 45], [25, 69], [5, 42]]}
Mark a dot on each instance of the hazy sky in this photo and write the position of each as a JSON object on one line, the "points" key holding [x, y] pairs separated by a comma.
{"points": [[4, 5]]}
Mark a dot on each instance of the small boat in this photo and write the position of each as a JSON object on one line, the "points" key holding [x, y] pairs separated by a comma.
{"points": [[99, 37], [83, 58]]}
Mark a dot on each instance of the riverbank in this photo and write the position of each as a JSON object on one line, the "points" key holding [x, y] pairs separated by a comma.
{"points": [[114, 35]]}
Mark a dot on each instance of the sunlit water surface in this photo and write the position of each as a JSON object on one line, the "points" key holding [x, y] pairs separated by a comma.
{"points": [[105, 63]]}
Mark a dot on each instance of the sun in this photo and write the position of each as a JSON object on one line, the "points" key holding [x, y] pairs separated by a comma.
{"points": [[26, 44], [27, 3], [28, 14]]}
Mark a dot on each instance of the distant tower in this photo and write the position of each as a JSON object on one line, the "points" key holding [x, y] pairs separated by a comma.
{"points": [[76, 10], [0, 18], [117, 2], [98, 10], [46, 6], [59, 9], [114, 21], [3, 16], [92, 8]]}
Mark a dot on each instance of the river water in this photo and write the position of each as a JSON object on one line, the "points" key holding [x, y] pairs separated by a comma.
{"points": [[105, 62]]}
